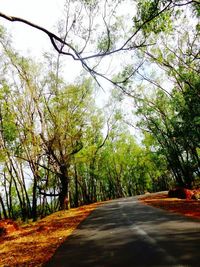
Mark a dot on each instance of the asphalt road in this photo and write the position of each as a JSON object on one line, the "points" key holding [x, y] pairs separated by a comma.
{"points": [[126, 233]]}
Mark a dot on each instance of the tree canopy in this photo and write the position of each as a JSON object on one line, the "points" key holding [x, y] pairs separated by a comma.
{"points": [[58, 148]]}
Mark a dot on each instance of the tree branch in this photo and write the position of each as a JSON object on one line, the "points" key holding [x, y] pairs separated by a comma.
{"points": [[51, 35]]}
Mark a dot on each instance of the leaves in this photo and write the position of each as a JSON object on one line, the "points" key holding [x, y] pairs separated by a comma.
{"points": [[56, 143], [151, 18]]}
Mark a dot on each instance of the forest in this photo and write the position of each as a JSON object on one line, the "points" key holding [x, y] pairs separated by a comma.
{"points": [[59, 148]]}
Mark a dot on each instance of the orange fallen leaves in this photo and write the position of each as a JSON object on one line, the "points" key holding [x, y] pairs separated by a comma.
{"points": [[34, 244], [8, 226], [186, 207]]}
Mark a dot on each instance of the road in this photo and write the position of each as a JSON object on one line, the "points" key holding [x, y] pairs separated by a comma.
{"points": [[126, 233]]}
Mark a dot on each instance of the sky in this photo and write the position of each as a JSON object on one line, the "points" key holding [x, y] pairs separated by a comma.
{"points": [[30, 41], [42, 12]]}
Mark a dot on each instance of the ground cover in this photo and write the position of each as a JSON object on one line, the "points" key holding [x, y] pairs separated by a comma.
{"points": [[187, 207], [34, 244]]}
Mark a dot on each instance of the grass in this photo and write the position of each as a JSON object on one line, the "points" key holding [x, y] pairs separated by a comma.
{"points": [[34, 244], [186, 207]]}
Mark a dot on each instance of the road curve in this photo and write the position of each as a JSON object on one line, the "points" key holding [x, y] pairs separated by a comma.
{"points": [[126, 233]]}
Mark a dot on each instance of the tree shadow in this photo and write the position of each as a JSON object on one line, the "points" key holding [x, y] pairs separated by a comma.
{"points": [[128, 233]]}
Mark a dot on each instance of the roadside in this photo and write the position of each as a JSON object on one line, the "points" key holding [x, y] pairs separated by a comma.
{"points": [[34, 244], [187, 207]]}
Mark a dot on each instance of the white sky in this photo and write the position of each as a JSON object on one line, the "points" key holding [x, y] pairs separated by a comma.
{"points": [[30, 41], [42, 12]]}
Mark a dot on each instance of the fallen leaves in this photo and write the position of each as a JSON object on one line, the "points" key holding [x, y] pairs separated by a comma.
{"points": [[7, 226], [34, 244], [186, 207]]}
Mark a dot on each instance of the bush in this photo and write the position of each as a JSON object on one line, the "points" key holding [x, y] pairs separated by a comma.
{"points": [[196, 196], [7, 226], [181, 193], [2, 231]]}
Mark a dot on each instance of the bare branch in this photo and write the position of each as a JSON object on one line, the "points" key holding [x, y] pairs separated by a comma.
{"points": [[154, 83], [52, 36]]}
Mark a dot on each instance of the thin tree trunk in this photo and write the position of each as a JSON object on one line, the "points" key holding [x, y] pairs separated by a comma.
{"points": [[34, 201], [64, 193], [28, 204], [3, 208], [76, 186]]}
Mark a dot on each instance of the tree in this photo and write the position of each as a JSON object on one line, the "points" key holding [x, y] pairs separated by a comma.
{"points": [[52, 134], [168, 113], [63, 126], [113, 38]]}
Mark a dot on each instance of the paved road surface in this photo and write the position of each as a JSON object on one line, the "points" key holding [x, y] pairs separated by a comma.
{"points": [[126, 233]]}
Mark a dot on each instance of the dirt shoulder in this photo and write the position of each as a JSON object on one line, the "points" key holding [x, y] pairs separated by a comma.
{"points": [[186, 207], [34, 244]]}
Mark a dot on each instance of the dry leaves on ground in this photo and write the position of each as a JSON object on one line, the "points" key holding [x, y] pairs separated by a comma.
{"points": [[34, 244], [186, 207]]}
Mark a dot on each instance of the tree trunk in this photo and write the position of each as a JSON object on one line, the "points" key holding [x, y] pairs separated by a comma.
{"points": [[28, 204], [76, 187], [64, 193], [64, 198], [34, 201], [3, 208]]}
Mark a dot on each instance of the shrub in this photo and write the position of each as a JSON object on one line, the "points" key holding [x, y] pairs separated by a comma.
{"points": [[2, 231], [196, 196], [181, 193]]}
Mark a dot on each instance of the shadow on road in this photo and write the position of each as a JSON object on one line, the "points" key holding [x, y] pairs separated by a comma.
{"points": [[128, 233]]}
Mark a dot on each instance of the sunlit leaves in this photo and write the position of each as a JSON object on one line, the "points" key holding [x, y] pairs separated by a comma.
{"points": [[197, 9], [90, 3], [7, 118], [151, 19], [105, 43]]}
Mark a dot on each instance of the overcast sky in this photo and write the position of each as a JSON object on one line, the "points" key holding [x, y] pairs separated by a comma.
{"points": [[30, 41], [42, 12]]}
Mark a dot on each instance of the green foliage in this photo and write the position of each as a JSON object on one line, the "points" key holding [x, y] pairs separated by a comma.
{"points": [[90, 3], [9, 131], [168, 120], [8, 124], [107, 40], [151, 18], [53, 137], [196, 7], [105, 43], [2, 32], [124, 77]]}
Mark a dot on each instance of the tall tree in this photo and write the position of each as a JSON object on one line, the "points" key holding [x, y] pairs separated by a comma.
{"points": [[85, 18], [169, 112]]}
